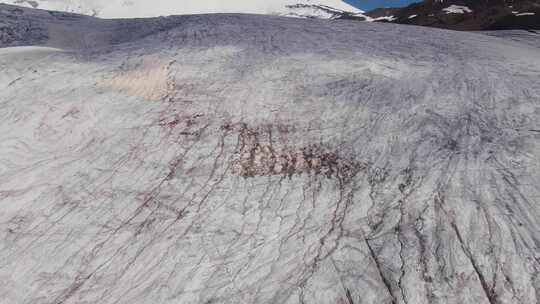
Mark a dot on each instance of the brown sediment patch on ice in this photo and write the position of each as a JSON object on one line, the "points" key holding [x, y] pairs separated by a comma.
{"points": [[262, 153], [148, 79]]}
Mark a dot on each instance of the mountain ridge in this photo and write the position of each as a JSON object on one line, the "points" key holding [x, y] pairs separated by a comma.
{"points": [[466, 14]]}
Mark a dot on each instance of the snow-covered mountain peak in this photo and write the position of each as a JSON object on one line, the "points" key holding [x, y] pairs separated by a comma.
{"points": [[143, 8]]}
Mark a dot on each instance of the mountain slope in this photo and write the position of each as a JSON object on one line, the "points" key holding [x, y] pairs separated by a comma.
{"points": [[260, 159], [141, 8], [467, 14]]}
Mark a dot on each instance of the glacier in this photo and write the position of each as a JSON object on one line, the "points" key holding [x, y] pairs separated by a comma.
{"points": [[236, 158]]}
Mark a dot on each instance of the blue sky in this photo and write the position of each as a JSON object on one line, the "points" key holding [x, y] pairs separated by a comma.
{"points": [[371, 4]]}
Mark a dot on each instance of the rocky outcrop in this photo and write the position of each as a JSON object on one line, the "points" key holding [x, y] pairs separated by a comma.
{"points": [[466, 14]]}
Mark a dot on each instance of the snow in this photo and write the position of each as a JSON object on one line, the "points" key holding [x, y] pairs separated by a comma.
{"points": [[457, 9], [525, 14], [168, 7], [384, 18], [20, 50], [143, 8], [413, 16], [312, 11]]}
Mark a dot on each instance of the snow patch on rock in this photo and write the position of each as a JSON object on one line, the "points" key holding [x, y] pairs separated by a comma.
{"points": [[524, 14], [457, 9]]}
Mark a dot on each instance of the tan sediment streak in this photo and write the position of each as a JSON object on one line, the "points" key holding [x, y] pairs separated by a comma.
{"points": [[147, 80]]}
